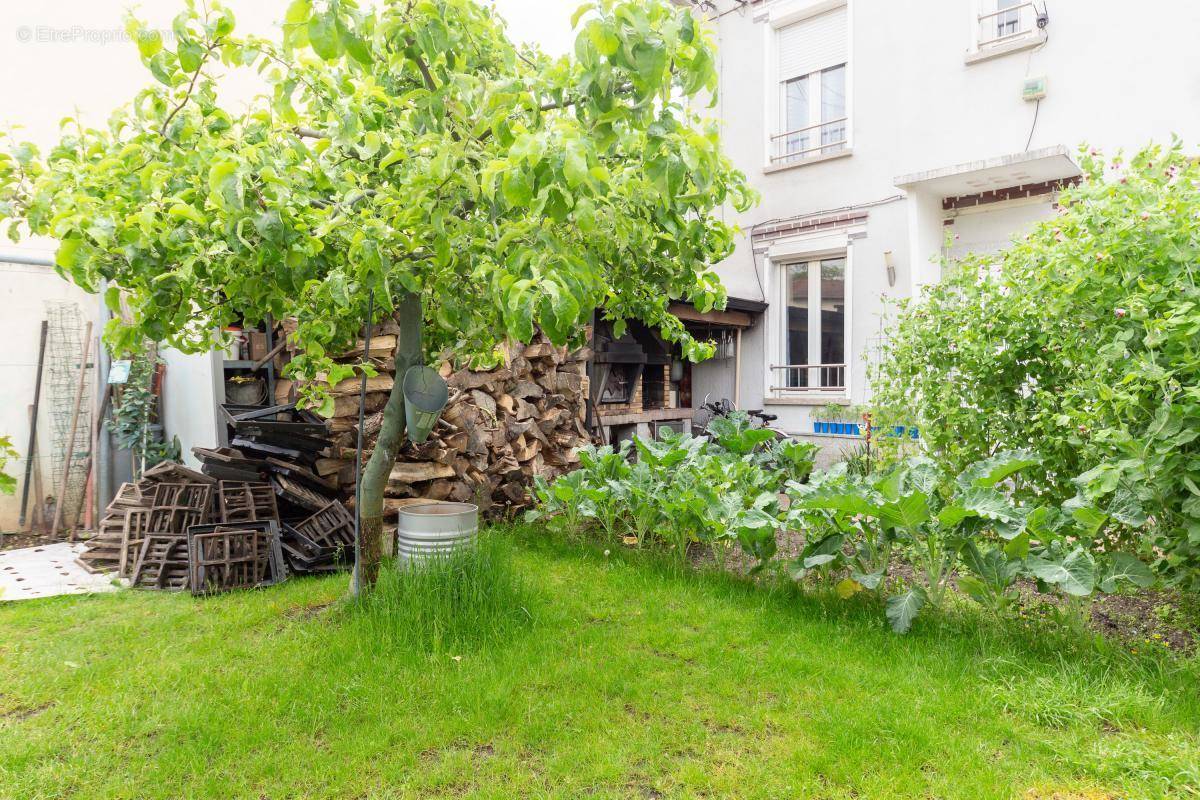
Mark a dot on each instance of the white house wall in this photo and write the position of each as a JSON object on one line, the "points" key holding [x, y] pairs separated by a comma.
{"points": [[24, 292], [1118, 75]]}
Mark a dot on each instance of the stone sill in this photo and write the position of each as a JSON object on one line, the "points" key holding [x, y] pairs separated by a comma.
{"points": [[807, 162], [988, 52], [822, 400]]}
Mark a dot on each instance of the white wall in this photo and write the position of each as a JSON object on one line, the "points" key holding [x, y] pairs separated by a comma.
{"points": [[1118, 75], [994, 229], [191, 390], [24, 292]]}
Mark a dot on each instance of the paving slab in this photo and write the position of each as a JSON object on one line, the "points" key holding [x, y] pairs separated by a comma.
{"points": [[48, 570]]}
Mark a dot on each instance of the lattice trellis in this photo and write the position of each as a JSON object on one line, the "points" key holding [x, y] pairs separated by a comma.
{"points": [[64, 349]]}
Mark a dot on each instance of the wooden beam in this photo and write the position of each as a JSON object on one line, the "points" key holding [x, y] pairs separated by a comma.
{"points": [[732, 319]]}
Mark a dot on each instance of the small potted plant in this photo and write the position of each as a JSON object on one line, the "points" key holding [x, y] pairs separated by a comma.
{"points": [[837, 420]]}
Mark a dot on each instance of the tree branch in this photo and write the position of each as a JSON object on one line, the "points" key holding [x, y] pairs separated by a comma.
{"points": [[191, 87]]}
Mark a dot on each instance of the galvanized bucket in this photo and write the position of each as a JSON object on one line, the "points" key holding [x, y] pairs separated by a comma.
{"points": [[425, 530]]}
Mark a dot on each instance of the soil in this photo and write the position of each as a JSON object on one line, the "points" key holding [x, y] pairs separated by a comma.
{"points": [[16, 541]]}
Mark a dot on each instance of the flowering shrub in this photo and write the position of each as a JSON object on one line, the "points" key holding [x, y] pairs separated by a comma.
{"points": [[1079, 343]]}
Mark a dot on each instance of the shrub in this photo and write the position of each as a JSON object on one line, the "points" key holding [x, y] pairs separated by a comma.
{"points": [[1078, 342], [8, 483]]}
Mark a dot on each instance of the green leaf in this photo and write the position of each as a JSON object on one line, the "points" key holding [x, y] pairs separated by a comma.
{"points": [[355, 46], [187, 212], [67, 255], [149, 42], [902, 609], [298, 12], [270, 226], [579, 12], [603, 38], [975, 588], [1123, 567], [847, 588], [191, 55], [323, 35], [391, 158], [1075, 574], [518, 190], [845, 502], [226, 186], [990, 471], [908, 512]]}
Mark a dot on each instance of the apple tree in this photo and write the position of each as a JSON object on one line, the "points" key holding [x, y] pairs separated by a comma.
{"points": [[408, 151]]}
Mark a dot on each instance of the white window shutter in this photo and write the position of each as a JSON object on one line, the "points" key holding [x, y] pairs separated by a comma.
{"points": [[813, 44]]}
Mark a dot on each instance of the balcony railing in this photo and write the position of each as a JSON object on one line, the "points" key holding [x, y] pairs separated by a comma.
{"points": [[810, 379], [997, 27], [804, 143]]}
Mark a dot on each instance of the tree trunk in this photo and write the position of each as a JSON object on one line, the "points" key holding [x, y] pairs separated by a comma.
{"points": [[391, 435]]}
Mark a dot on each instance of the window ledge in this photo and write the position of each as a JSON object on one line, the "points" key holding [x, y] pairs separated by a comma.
{"points": [[770, 168], [820, 400], [987, 52]]}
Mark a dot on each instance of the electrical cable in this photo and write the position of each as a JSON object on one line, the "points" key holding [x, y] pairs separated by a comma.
{"points": [[1036, 108]]}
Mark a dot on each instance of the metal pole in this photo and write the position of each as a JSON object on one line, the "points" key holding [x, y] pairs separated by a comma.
{"points": [[37, 396], [37, 516], [62, 489], [362, 408]]}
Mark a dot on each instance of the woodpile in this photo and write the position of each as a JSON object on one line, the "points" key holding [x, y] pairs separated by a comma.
{"points": [[500, 428]]}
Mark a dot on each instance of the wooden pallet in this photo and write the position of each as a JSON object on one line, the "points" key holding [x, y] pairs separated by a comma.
{"points": [[246, 502], [178, 506], [241, 556], [303, 555], [162, 563], [331, 526], [133, 535], [299, 494]]}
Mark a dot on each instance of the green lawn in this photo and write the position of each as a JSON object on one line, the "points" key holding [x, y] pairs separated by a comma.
{"points": [[629, 681]]}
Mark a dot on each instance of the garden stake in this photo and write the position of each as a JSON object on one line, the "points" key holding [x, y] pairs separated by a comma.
{"points": [[37, 396], [362, 405], [62, 489]]}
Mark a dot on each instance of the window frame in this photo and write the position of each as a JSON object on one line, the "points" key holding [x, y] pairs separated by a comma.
{"points": [[984, 48], [812, 252], [812, 133], [780, 15]]}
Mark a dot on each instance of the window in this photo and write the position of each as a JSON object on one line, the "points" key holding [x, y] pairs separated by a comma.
{"points": [[1004, 20], [1007, 18], [815, 333], [812, 118]]}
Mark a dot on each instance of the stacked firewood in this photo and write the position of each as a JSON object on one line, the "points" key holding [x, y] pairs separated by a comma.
{"points": [[500, 427]]}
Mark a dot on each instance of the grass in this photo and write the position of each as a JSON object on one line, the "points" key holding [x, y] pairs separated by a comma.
{"points": [[619, 677]]}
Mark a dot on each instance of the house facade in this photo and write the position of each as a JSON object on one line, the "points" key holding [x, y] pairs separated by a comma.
{"points": [[887, 136]]}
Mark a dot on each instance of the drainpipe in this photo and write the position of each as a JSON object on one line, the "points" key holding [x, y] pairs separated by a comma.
{"points": [[103, 456], [31, 258], [737, 370]]}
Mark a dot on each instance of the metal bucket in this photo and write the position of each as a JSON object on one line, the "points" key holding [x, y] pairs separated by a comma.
{"points": [[431, 529]]}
